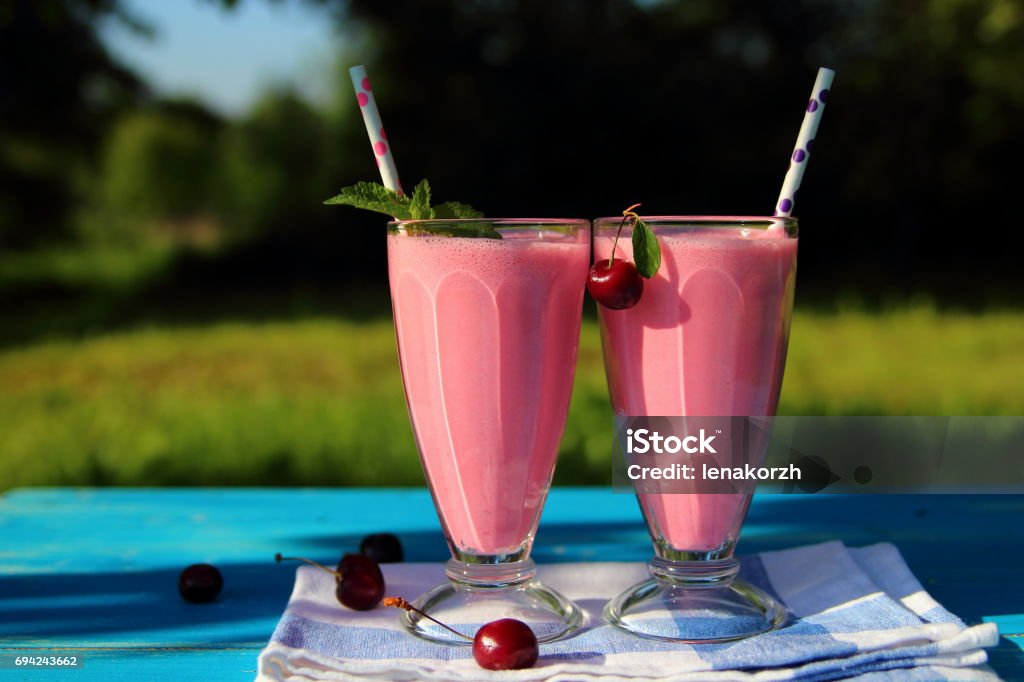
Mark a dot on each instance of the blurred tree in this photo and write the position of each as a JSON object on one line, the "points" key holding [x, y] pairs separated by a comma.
{"points": [[583, 107], [576, 107], [58, 91], [275, 165], [929, 126], [157, 170]]}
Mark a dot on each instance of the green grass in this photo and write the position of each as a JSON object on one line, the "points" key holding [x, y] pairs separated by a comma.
{"points": [[319, 402]]}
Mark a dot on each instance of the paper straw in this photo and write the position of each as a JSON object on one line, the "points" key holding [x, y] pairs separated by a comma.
{"points": [[375, 128], [804, 142]]}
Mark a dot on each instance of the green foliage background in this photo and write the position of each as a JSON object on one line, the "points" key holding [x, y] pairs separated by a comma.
{"points": [[319, 401], [178, 307]]}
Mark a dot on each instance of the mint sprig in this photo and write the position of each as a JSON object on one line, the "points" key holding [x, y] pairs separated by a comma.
{"points": [[373, 196], [646, 250]]}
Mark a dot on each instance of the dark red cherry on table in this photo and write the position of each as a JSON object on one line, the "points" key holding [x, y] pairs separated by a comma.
{"points": [[358, 563], [200, 583], [384, 548], [618, 286], [358, 581], [506, 644], [359, 591], [361, 585]]}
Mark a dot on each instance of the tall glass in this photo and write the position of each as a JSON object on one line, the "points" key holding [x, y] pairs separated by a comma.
{"points": [[707, 341], [487, 318]]}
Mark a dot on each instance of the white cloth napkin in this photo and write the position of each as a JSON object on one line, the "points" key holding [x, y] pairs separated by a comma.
{"points": [[853, 612]]}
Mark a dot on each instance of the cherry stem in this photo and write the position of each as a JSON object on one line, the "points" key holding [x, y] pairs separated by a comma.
{"points": [[278, 559], [399, 603], [626, 215]]}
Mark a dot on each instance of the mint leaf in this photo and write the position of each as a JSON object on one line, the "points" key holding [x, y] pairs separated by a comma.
{"points": [[420, 202], [453, 209], [646, 251], [372, 196]]}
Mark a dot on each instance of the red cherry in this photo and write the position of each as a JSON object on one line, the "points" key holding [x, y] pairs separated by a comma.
{"points": [[384, 548], [200, 583], [359, 583], [617, 287], [361, 586], [357, 562], [506, 644], [359, 591]]}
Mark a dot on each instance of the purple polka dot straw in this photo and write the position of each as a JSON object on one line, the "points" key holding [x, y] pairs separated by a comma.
{"points": [[804, 142]]}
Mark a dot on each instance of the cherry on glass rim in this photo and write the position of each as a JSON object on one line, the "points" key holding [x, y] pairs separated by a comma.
{"points": [[617, 286]]}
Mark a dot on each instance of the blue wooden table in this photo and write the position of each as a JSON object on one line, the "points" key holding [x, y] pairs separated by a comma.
{"points": [[93, 573]]}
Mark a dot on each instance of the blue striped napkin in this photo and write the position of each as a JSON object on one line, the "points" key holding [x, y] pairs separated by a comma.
{"points": [[854, 612]]}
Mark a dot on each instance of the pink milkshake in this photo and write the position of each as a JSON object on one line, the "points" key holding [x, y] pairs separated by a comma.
{"points": [[707, 339], [487, 334], [487, 331]]}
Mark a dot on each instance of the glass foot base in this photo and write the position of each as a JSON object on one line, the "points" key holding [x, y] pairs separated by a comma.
{"points": [[695, 615], [550, 615]]}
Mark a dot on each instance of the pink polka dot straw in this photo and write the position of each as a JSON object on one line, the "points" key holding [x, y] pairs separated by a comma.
{"points": [[804, 142], [375, 128]]}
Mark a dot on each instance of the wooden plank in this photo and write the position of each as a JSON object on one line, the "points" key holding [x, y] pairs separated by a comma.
{"points": [[156, 664], [98, 568]]}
